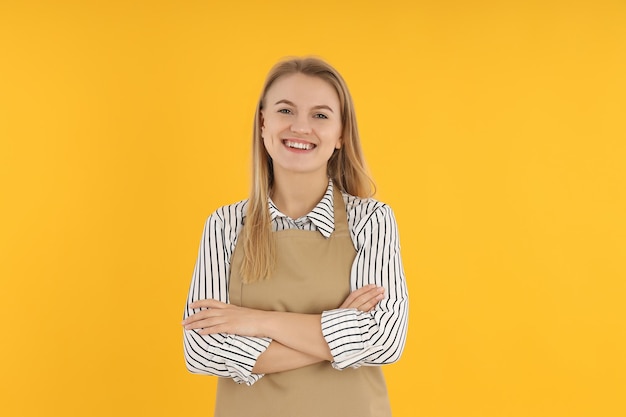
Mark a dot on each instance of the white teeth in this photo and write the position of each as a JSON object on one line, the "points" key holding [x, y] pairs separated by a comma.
{"points": [[299, 145]]}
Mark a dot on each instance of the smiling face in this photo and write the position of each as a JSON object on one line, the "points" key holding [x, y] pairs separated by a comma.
{"points": [[301, 124]]}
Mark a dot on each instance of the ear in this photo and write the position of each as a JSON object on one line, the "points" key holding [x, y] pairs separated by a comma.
{"points": [[339, 143]]}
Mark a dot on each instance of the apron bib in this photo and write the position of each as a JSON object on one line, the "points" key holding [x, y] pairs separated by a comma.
{"points": [[312, 274]]}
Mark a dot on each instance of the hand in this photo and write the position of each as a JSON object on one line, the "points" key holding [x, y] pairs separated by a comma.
{"points": [[219, 317], [364, 298]]}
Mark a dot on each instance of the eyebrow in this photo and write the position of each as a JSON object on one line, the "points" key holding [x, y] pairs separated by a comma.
{"points": [[290, 103]]}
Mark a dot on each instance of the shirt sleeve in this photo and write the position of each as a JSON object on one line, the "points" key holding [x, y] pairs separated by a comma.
{"points": [[223, 355], [377, 337]]}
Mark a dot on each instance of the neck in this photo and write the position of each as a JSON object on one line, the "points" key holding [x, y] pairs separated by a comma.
{"points": [[296, 194]]}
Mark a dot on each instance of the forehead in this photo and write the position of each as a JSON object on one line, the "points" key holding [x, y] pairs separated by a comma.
{"points": [[302, 90]]}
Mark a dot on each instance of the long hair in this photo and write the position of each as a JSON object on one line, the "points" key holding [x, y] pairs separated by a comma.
{"points": [[346, 167]]}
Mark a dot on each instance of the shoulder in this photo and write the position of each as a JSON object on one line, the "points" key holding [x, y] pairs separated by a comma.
{"points": [[365, 210], [230, 216]]}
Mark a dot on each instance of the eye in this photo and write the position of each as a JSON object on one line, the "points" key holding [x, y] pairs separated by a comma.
{"points": [[284, 111], [320, 116]]}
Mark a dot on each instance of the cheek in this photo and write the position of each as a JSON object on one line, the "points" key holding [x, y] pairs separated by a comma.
{"points": [[329, 131], [266, 142], [271, 144], [272, 128], [337, 133]]}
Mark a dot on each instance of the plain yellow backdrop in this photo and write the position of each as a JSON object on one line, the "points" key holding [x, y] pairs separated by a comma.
{"points": [[495, 130]]}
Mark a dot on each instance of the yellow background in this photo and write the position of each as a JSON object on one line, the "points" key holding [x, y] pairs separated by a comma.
{"points": [[495, 130]]}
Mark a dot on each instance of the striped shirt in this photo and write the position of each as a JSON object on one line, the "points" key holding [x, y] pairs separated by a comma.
{"points": [[355, 338]]}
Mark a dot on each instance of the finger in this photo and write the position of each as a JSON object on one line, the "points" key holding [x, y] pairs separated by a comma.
{"points": [[356, 297], [194, 318], [202, 315], [371, 303], [218, 328], [206, 323], [366, 297], [357, 293], [207, 303]]}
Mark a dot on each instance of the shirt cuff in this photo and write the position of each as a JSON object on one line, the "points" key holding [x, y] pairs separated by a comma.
{"points": [[347, 332], [241, 354]]}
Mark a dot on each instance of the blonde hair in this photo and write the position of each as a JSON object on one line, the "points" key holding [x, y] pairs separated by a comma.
{"points": [[346, 167]]}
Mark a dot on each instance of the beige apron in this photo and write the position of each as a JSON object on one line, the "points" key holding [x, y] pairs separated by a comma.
{"points": [[311, 275]]}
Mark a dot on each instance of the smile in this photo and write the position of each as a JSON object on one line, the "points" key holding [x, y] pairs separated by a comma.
{"points": [[305, 146]]}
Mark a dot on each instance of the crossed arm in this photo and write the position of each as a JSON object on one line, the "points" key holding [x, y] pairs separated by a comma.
{"points": [[297, 339], [219, 339]]}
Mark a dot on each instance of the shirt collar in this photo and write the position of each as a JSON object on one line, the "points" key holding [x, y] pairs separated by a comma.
{"points": [[322, 215]]}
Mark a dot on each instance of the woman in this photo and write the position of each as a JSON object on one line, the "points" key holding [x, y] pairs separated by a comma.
{"points": [[298, 292]]}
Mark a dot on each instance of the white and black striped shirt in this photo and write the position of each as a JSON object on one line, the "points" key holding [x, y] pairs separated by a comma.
{"points": [[355, 338]]}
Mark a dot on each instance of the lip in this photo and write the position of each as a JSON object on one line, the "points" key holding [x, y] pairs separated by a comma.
{"points": [[298, 141]]}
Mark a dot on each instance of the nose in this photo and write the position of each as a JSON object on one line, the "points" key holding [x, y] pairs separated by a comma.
{"points": [[301, 125]]}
